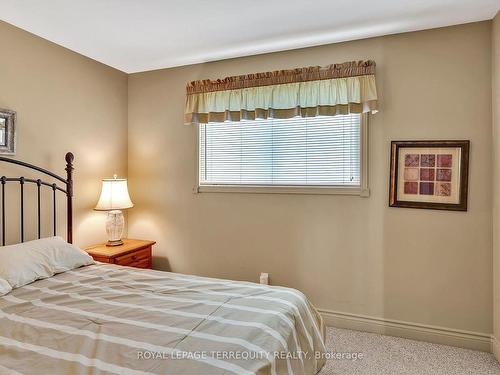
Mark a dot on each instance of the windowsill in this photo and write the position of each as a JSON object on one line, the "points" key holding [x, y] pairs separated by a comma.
{"points": [[259, 189]]}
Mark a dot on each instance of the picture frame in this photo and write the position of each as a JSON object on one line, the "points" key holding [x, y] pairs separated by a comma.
{"points": [[7, 132], [429, 174]]}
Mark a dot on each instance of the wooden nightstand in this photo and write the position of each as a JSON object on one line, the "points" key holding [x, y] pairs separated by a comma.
{"points": [[133, 253]]}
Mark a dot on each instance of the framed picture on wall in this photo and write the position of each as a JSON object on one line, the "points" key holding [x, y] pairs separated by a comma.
{"points": [[429, 174], [7, 132]]}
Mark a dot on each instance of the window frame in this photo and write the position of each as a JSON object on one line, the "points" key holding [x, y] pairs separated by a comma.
{"points": [[362, 190]]}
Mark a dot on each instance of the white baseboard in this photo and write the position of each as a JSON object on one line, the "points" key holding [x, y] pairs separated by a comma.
{"points": [[495, 347], [414, 331]]}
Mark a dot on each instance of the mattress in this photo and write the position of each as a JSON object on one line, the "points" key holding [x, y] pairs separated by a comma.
{"points": [[108, 319]]}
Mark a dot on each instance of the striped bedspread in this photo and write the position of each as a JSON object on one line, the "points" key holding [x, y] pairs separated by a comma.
{"points": [[107, 319]]}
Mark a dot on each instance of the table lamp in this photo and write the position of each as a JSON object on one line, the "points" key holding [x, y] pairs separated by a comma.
{"points": [[114, 198]]}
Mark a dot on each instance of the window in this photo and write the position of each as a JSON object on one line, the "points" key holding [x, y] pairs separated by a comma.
{"points": [[298, 155]]}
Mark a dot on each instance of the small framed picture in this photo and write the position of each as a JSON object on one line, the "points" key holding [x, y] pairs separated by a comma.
{"points": [[429, 174], [7, 132]]}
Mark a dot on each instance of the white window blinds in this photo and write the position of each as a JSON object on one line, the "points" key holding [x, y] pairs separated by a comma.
{"points": [[313, 151]]}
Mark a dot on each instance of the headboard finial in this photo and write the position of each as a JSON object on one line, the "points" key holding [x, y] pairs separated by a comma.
{"points": [[70, 158]]}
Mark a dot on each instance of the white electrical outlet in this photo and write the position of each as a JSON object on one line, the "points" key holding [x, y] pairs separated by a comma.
{"points": [[264, 278]]}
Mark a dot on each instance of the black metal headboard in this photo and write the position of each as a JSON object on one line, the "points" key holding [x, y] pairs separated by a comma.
{"points": [[66, 187]]}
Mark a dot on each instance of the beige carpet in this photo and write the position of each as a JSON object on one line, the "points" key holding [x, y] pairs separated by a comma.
{"points": [[387, 355]]}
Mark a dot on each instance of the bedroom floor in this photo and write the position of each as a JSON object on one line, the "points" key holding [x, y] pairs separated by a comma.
{"points": [[387, 355]]}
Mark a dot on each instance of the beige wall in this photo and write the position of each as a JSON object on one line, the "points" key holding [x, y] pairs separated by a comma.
{"points": [[346, 253], [495, 42], [65, 102]]}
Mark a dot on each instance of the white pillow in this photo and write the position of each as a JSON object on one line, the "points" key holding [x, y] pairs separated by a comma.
{"points": [[4, 287], [26, 262]]}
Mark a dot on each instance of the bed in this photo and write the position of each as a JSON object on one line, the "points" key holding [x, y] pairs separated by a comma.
{"points": [[110, 319]]}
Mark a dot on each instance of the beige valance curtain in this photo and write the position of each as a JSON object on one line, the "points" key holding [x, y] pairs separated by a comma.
{"points": [[313, 91]]}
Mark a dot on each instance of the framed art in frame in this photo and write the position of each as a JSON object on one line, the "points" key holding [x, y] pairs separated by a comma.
{"points": [[7, 132], [429, 174]]}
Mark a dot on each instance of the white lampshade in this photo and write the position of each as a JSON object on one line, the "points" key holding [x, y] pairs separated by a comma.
{"points": [[114, 195]]}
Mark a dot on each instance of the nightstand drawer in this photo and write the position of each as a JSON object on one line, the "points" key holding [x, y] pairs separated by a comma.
{"points": [[145, 263], [134, 257]]}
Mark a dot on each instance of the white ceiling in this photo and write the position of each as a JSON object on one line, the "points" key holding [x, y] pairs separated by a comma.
{"points": [[139, 35]]}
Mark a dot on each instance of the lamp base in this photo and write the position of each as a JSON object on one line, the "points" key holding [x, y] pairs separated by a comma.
{"points": [[114, 227], [114, 243]]}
